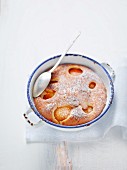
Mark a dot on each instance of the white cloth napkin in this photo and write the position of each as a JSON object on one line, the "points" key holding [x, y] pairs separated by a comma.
{"points": [[116, 116]]}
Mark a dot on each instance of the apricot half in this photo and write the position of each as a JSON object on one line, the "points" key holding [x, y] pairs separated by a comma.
{"points": [[61, 113], [92, 85], [88, 109], [48, 93], [75, 71]]}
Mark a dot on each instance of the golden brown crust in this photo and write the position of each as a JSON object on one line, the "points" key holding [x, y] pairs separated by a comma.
{"points": [[75, 95]]}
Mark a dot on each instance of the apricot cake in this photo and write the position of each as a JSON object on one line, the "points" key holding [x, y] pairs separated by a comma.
{"points": [[75, 95]]}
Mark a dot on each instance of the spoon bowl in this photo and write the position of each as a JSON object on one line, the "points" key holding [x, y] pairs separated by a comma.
{"points": [[41, 83]]}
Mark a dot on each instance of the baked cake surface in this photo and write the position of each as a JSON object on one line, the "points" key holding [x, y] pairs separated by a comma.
{"points": [[75, 95]]}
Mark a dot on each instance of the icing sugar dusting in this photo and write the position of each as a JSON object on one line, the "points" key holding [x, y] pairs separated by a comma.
{"points": [[77, 112], [50, 106], [73, 101]]}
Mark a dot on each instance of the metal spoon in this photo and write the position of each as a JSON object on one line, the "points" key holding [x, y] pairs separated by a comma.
{"points": [[43, 80]]}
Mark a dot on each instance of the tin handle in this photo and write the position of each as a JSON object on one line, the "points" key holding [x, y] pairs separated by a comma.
{"points": [[26, 116], [110, 70]]}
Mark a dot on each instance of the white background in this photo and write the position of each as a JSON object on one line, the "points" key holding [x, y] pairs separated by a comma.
{"points": [[32, 30]]}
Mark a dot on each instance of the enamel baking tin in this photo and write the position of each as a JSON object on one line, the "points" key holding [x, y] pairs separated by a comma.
{"points": [[74, 59]]}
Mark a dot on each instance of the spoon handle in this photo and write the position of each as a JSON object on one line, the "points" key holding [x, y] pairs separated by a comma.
{"points": [[58, 62]]}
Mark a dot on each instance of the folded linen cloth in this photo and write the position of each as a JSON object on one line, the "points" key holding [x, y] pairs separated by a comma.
{"points": [[116, 116]]}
